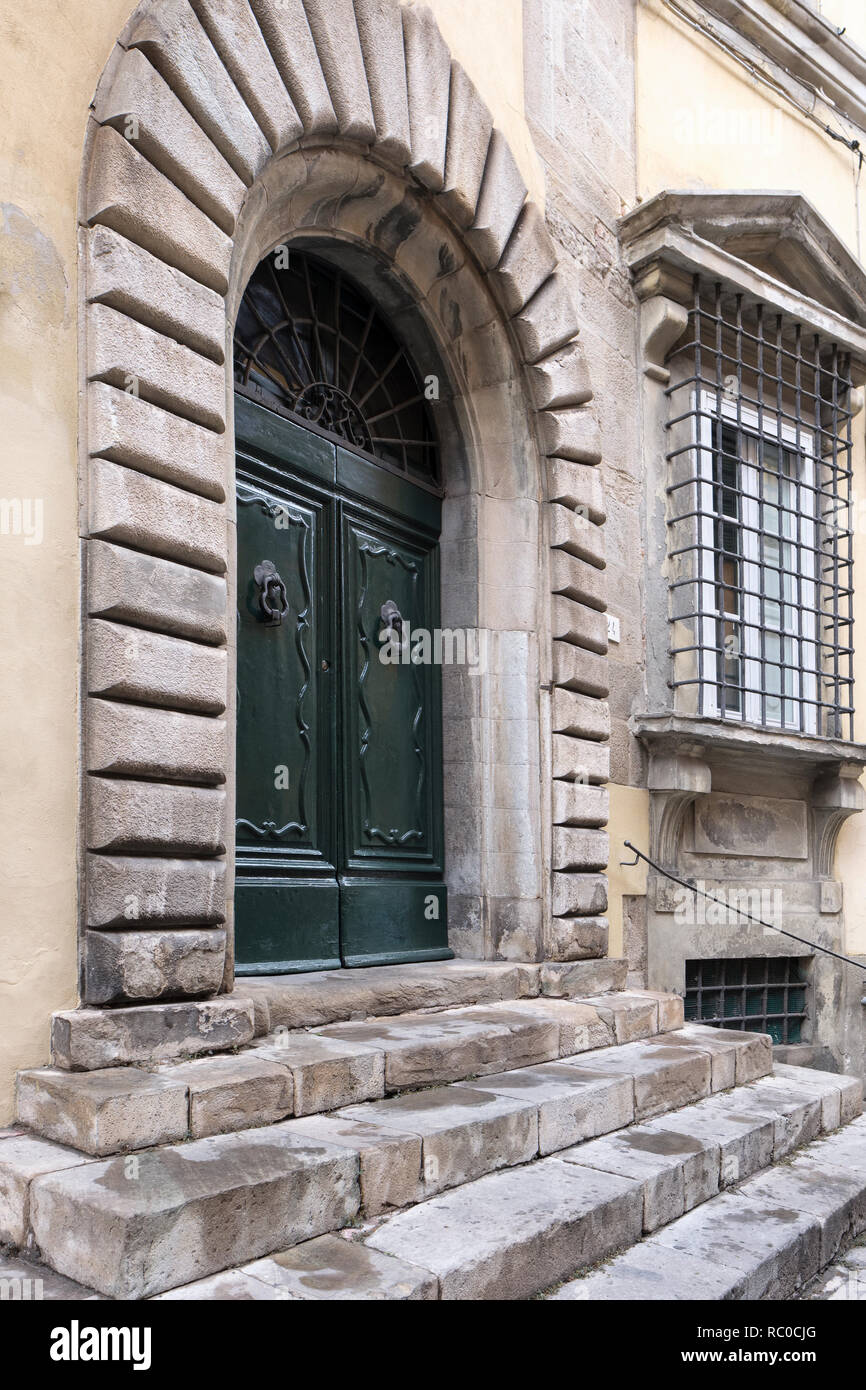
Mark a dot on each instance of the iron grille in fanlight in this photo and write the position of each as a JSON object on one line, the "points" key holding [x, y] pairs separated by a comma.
{"points": [[309, 341]]}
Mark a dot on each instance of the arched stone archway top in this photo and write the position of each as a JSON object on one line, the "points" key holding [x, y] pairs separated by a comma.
{"points": [[212, 116]]}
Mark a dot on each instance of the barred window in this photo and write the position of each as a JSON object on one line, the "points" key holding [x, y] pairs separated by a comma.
{"points": [[755, 994], [760, 539]]}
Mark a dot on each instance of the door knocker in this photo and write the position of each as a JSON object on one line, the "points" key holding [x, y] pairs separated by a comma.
{"points": [[273, 599], [393, 622]]}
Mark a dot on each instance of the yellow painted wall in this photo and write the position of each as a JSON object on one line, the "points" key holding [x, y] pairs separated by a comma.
{"points": [[52, 56], [717, 126], [629, 820]]}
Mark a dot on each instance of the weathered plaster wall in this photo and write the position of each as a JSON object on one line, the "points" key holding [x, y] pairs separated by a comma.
{"points": [[52, 59]]}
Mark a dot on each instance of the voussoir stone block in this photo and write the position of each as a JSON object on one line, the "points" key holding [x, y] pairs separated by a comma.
{"points": [[129, 279], [142, 741], [547, 322], [577, 580], [24, 1157], [578, 486], [129, 430], [580, 759], [528, 259], [246, 57], [127, 193], [562, 379], [575, 668], [576, 623], [140, 105], [571, 434], [286, 29], [333, 1268], [576, 938], [327, 1072], [580, 849], [470, 126], [172, 38], [133, 509], [572, 531], [192, 1210], [428, 74], [230, 1093], [127, 354], [154, 816], [131, 967], [335, 33], [103, 1112], [128, 664], [576, 803], [580, 715], [88, 1039], [380, 29], [390, 1159], [166, 892], [503, 193], [129, 587], [579, 895]]}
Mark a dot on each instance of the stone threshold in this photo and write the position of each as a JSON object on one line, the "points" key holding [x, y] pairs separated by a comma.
{"points": [[148, 1034]]}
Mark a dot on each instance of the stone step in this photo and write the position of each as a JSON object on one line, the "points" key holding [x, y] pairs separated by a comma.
{"points": [[300, 1073], [342, 996], [766, 1239], [510, 1234], [139, 1224]]}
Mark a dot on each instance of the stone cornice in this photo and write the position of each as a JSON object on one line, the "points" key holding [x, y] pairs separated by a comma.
{"points": [[683, 736], [800, 44], [772, 247]]}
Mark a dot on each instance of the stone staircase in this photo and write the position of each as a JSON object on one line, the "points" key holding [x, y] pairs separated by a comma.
{"points": [[590, 1147]]}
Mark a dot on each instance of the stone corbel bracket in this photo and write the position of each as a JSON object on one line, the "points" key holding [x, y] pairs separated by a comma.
{"points": [[835, 796], [662, 323], [674, 781]]}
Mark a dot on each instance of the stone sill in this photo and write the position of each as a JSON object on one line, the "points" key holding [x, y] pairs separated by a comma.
{"points": [[697, 737]]}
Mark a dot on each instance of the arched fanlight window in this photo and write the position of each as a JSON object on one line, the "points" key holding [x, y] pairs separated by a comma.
{"points": [[310, 342]]}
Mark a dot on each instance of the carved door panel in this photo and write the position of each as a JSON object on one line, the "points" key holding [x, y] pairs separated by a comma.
{"points": [[393, 899], [339, 756]]}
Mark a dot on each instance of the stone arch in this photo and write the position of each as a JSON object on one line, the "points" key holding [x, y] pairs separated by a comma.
{"points": [[215, 123]]}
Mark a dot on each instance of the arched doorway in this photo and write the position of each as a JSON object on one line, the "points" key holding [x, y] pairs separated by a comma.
{"points": [[339, 821], [356, 128]]}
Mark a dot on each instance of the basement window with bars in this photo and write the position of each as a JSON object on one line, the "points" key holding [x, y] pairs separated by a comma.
{"points": [[758, 994], [759, 521]]}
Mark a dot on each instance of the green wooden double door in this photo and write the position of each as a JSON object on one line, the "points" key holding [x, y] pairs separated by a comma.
{"points": [[339, 753]]}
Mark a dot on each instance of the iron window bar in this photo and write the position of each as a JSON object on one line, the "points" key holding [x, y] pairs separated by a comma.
{"points": [[763, 994], [759, 519]]}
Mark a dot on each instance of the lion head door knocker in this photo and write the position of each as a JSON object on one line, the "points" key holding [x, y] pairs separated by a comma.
{"points": [[392, 622], [273, 599]]}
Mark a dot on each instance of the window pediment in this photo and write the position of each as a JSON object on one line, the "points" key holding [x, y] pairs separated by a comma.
{"points": [[774, 246]]}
